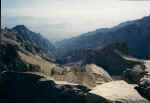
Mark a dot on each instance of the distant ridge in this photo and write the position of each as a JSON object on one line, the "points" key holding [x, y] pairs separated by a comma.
{"points": [[136, 34]]}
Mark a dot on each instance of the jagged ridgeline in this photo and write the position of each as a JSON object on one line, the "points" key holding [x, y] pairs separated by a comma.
{"points": [[20, 40], [25, 36]]}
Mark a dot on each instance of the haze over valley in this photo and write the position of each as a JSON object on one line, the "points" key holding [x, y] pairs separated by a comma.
{"points": [[82, 51], [56, 19]]}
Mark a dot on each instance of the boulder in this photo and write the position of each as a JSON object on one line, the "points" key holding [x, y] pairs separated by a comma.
{"points": [[133, 75], [119, 91], [98, 74], [89, 75], [144, 86]]}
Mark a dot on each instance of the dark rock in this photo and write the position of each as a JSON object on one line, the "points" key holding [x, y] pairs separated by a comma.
{"points": [[9, 58], [29, 88], [30, 41], [110, 57], [144, 87], [134, 75]]}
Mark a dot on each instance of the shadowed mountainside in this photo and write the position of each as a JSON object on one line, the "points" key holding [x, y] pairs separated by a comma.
{"points": [[29, 40], [110, 57], [134, 33]]}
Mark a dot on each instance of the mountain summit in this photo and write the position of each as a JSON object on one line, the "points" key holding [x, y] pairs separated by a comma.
{"points": [[20, 27]]}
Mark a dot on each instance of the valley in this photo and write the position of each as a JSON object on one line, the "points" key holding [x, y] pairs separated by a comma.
{"points": [[109, 65]]}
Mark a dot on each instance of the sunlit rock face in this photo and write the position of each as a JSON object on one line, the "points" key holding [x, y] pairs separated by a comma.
{"points": [[89, 75], [119, 91]]}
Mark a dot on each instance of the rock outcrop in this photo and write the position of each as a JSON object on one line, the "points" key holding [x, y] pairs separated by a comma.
{"points": [[89, 75], [22, 50], [9, 58], [29, 88], [98, 74], [134, 75], [30, 41], [144, 86], [14, 57], [119, 91], [140, 76]]}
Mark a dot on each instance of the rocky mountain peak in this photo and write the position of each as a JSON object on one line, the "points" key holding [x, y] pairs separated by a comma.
{"points": [[20, 27]]}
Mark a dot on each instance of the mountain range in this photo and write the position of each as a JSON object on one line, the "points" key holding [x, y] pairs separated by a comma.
{"points": [[105, 66], [136, 34]]}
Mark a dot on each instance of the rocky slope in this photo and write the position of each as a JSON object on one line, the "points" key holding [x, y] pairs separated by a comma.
{"points": [[32, 88], [21, 60], [31, 41], [89, 75], [110, 57], [9, 58], [16, 54], [140, 77], [144, 86], [28, 59], [134, 33], [29, 72]]}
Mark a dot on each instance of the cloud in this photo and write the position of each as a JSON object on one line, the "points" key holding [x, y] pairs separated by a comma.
{"points": [[66, 18], [69, 8]]}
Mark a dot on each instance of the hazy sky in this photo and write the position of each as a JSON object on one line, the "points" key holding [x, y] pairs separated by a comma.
{"points": [[66, 18]]}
